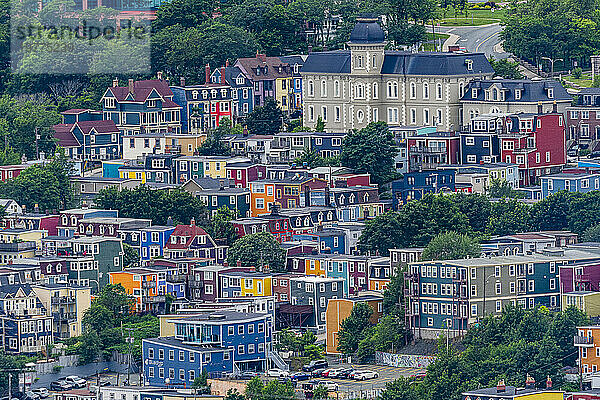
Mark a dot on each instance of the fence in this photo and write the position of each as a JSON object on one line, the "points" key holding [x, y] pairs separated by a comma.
{"points": [[62, 361], [403, 360]]}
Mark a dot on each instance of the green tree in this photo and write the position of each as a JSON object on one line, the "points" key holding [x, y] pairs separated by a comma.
{"points": [[500, 188], [158, 205], [233, 394], [257, 250], [371, 150], [131, 257], [393, 295], [220, 226], [451, 246], [508, 216], [506, 69], [214, 145], [115, 299], [382, 233], [89, 349], [47, 185], [98, 318], [320, 392], [553, 212], [352, 329], [265, 120], [591, 234], [320, 126]]}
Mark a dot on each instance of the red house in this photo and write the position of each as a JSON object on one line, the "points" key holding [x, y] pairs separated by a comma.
{"points": [[243, 172], [536, 143], [11, 171], [278, 225], [432, 150]]}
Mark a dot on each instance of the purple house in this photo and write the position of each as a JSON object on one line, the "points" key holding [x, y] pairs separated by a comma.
{"points": [[580, 277]]}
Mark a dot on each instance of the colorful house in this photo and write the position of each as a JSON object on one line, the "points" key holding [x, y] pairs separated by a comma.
{"points": [[153, 240], [193, 241], [242, 92], [245, 284]]}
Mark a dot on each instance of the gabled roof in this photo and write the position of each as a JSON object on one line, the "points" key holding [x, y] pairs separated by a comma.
{"points": [[102, 126], [531, 91], [63, 133], [189, 231], [142, 90], [273, 64]]}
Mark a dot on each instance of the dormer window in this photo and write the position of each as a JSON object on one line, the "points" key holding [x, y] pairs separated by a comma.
{"points": [[223, 92], [474, 93], [195, 94], [151, 103], [469, 64], [173, 239], [518, 94], [239, 80], [213, 93], [205, 94], [550, 93], [109, 102]]}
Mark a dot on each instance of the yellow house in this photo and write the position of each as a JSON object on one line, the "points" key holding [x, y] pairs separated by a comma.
{"points": [[283, 90], [586, 301], [133, 173], [214, 166], [256, 285], [315, 266], [184, 144], [67, 305], [505, 392], [23, 235]]}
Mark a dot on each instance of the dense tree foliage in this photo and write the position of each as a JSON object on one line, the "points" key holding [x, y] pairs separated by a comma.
{"points": [[257, 250], [257, 390], [302, 346], [352, 329], [266, 119], [158, 205], [451, 246], [372, 150], [506, 69], [510, 346], [46, 185]]}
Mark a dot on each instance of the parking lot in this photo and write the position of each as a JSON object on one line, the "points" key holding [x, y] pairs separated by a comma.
{"points": [[386, 374]]}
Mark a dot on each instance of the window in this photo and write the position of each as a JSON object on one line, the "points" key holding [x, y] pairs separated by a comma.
{"points": [[471, 158], [323, 88], [311, 88], [375, 90], [392, 90], [324, 113], [392, 115], [240, 329], [337, 113], [425, 90], [413, 90], [171, 355], [470, 141], [241, 349], [336, 88]]}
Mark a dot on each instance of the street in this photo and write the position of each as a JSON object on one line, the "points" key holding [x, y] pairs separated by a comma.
{"points": [[478, 39]]}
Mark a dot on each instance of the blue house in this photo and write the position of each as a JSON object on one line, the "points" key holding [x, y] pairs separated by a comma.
{"points": [[153, 240], [215, 342], [295, 62], [480, 143], [415, 185], [579, 182], [330, 240], [242, 93]]}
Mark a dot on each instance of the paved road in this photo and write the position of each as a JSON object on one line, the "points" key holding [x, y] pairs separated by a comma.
{"points": [[483, 39]]}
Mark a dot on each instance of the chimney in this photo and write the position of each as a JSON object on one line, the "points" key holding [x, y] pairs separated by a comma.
{"points": [[170, 221], [245, 131], [239, 263], [529, 382], [309, 48], [207, 73], [193, 222], [182, 81], [36, 208], [539, 110], [548, 380], [221, 184], [115, 82], [159, 75], [226, 63], [130, 85], [500, 387], [222, 75], [554, 107]]}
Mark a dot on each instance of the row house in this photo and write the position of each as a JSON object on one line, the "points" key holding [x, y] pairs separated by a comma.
{"points": [[69, 219], [308, 219], [277, 224], [379, 273], [454, 294], [153, 240], [536, 143], [194, 167], [286, 146], [574, 182], [242, 90], [242, 172], [295, 88], [315, 292], [203, 106], [87, 188], [583, 121], [352, 269], [235, 283], [144, 106], [433, 150], [256, 147], [269, 76], [236, 199], [352, 204], [110, 227], [509, 96], [508, 172], [67, 305], [154, 168], [85, 135], [329, 240], [416, 185], [479, 140], [287, 193], [193, 241], [218, 343], [26, 327]]}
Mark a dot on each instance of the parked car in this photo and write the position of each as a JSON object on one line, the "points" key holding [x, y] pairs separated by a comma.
{"points": [[364, 375], [326, 372], [29, 395], [329, 385], [317, 373], [60, 385], [277, 373], [594, 154], [42, 392], [246, 375], [300, 376], [334, 372], [345, 373], [315, 365], [76, 381]]}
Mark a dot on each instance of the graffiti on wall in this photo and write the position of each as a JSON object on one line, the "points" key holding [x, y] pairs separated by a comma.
{"points": [[403, 360]]}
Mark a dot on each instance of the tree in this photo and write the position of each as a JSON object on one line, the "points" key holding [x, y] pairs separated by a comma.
{"points": [[371, 150], [312, 159], [591, 234], [265, 120], [214, 145], [158, 205], [451, 246], [98, 318], [220, 226], [233, 394], [393, 295], [257, 250], [116, 300], [389, 335], [47, 185], [500, 188], [353, 328], [89, 349], [131, 257], [320, 392], [508, 216], [506, 69], [382, 233]]}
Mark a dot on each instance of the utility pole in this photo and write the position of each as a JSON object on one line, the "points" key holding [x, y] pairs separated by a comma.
{"points": [[37, 148], [552, 61]]}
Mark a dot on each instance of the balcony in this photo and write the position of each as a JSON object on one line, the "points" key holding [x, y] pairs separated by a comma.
{"points": [[62, 300], [64, 316], [153, 299], [583, 341], [176, 278], [149, 284], [173, 149], [17, 246], [203, 339], [428, 150], [196, 284]]}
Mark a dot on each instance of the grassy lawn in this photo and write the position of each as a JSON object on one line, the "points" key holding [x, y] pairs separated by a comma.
{"points": [[584, 81], [473, 17]]}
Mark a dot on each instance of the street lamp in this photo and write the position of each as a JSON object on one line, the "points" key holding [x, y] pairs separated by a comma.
{"points": [[552, 61]]}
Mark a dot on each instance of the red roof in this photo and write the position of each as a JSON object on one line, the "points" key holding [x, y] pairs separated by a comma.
{"points": [[62, 132], [189, 231], [101, 126], [76, 111], [142, 89]]}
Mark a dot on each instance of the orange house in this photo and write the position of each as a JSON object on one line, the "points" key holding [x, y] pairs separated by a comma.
{"points": [[145, 286], [340, 309], [262, 195], [587, 342], [316, 266]]}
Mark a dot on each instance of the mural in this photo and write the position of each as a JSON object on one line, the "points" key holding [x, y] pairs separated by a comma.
{"points": [[403, 360]]}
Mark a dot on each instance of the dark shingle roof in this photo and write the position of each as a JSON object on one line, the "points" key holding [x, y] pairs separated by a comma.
{"points": [[532, 91], [62, 132], [367, 31], [329, 62]]}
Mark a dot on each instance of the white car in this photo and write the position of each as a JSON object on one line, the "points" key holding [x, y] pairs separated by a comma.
{"points": [[277, 373], [42, 392], [364, 375], [330, 386], [334, 372], [75, 381]]}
